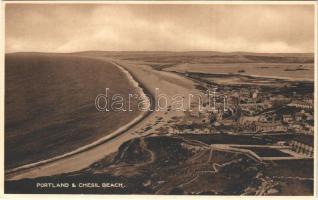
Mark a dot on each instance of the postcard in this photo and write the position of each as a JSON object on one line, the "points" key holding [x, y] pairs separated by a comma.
{"points": [[159, 98]]}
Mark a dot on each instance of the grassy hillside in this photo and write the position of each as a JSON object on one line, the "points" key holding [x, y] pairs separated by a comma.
{"points": [[172, 165]]}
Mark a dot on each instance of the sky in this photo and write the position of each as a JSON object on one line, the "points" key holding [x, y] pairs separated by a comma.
{"points": [[158, 27]]}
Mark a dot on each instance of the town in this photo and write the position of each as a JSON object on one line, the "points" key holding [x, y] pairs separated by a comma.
{"points": [[260, 107]]}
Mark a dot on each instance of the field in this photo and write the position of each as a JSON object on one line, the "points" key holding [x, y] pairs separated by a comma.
{"points": [[50, 104]]}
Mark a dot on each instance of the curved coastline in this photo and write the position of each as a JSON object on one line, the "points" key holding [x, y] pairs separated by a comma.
{"points": [[142, 91]]}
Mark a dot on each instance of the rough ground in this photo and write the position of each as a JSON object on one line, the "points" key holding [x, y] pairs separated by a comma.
{"points": [[172, 165]]}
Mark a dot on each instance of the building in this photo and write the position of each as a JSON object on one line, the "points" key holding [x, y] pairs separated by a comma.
{"points": [[195, 114], [301, 104], [302, 148], [219, 116], [309, 117], [280, 99], [189, 131], [263, 118], [270, 127], [245, 92], [255, 94], [299, 117], [287, 118], [296, 127], [282, 143], [248, 119], [310, 129]]}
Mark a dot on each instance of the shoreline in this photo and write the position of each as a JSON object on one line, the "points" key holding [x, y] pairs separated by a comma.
{"points": [[143, 92], [149, 79]]}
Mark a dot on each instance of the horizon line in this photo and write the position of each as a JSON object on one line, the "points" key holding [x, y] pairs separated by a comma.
{"points": [[162, 51]]}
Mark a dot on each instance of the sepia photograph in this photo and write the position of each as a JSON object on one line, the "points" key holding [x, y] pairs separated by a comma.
{"points": [[160, 98]]}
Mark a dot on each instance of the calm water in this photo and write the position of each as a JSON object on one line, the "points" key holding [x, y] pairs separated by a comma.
{"points": [[49, 105]]}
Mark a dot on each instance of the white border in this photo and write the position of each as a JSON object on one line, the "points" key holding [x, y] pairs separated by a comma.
{"points": [[316, 106]]}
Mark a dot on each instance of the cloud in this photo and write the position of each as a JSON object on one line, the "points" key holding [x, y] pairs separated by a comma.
{"points": [[80, 27]]}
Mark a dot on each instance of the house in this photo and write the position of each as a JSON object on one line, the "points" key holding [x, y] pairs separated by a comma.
{"points": [[299, 116], [302, 148], [206, 131], [301, 104], [248, 120], [308, 130], [280, 99], [195, 114], [270, 127], [196, 131], [287, 118], [309, 117], [245, 92], [296, 127], [282, 143], [263, 118], [255, 94], [185, 131]]}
